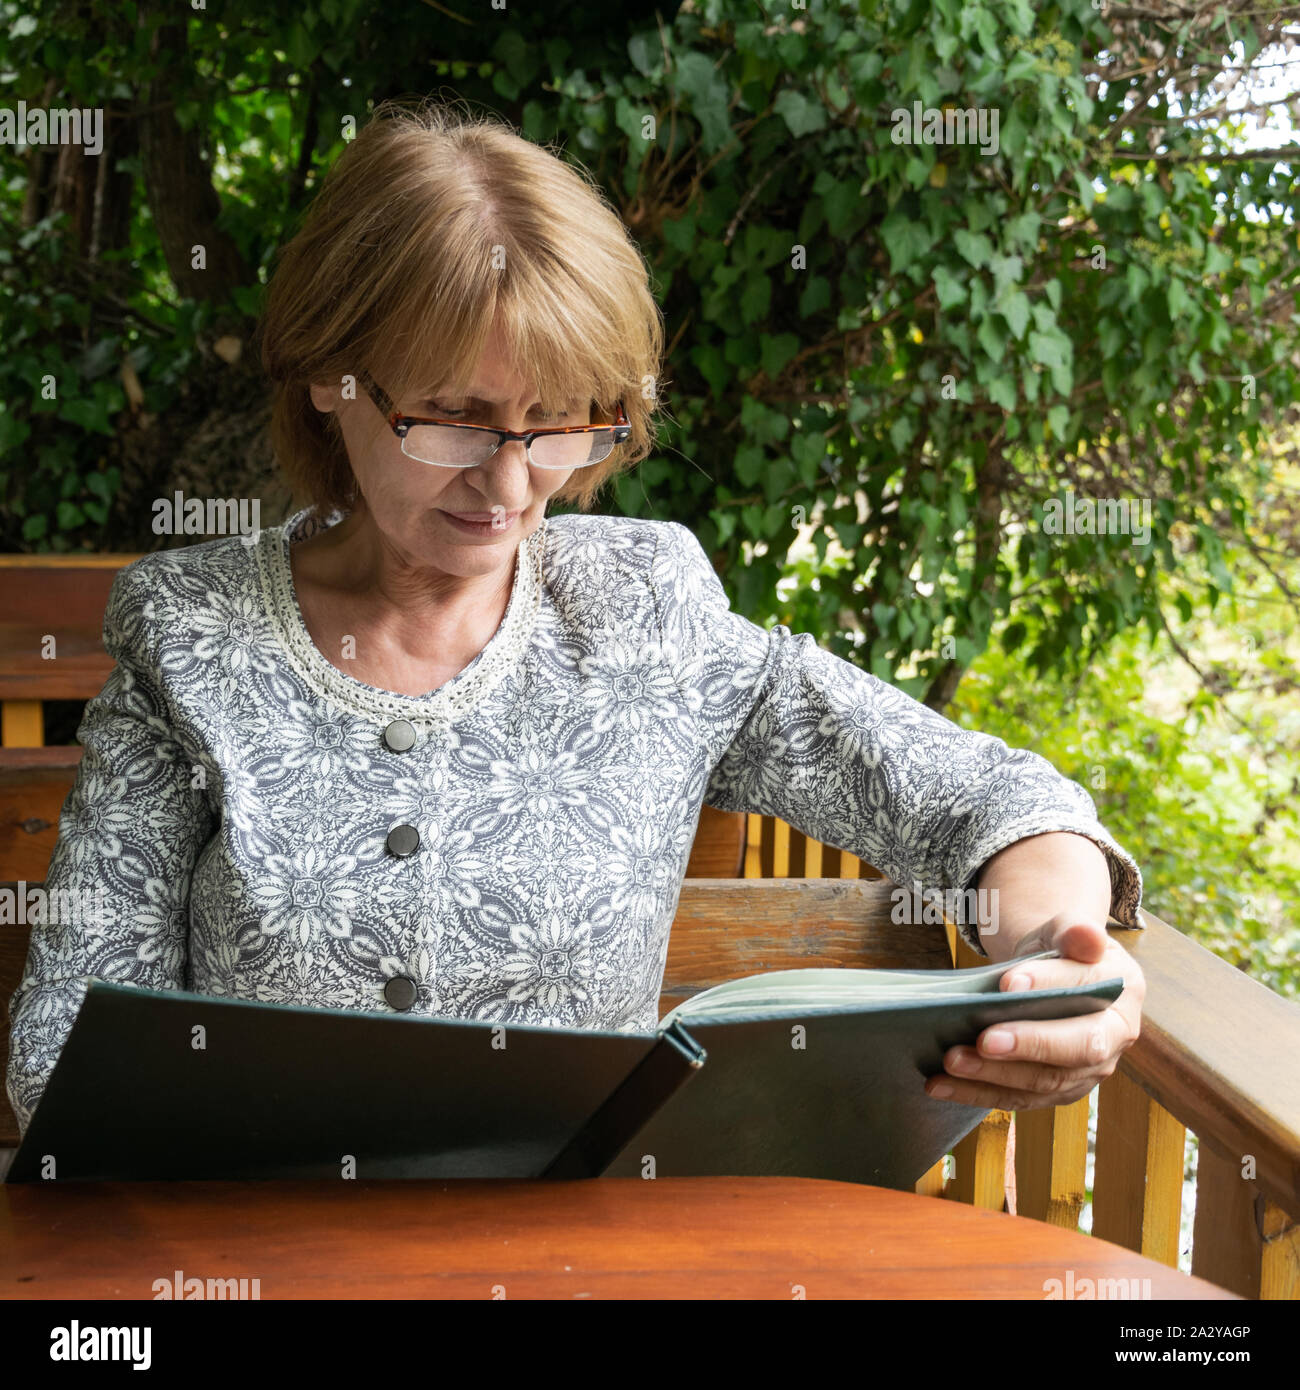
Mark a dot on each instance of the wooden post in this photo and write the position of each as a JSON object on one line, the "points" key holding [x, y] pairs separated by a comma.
{"points": [[21, 724], [1279, 1275], [1052, 1162], [754, 847], [930, 1184], [981, 1157], [1138, 1184], [980, 1179], [1240, 1239]]}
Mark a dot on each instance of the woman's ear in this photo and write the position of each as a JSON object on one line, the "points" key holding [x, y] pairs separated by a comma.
{"points": [[324, 398]]}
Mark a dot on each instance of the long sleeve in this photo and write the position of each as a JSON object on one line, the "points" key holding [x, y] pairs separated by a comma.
{"points": [[793, 731], [130, 831]]}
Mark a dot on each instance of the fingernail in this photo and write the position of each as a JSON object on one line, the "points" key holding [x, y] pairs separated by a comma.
{"points": [[1018, 981], [964, 1062], [941, 1090], [999, 1040]]}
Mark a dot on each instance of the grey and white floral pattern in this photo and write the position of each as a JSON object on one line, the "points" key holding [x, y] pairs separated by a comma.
{"points": [[236, 793]]}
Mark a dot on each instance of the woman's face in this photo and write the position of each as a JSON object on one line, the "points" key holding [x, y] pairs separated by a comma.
{"points": [[413, 504]]}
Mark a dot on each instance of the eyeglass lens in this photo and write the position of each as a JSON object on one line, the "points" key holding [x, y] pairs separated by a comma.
{"points": [[464, 448]]}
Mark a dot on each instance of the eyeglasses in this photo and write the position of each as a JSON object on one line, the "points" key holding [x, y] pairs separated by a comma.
{"points": [[449, 444]]}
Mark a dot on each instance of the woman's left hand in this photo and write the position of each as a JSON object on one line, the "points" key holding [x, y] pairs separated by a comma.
{"points": [[1055, 1061]]}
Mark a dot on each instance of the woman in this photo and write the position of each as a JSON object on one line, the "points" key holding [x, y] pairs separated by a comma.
{"points": [[423, 749]]}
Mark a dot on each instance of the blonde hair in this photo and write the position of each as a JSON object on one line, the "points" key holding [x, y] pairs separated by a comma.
{"points": [[433, 225]]}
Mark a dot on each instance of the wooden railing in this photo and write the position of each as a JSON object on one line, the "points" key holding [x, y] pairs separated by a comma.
{"points": [[1216, 1057]]}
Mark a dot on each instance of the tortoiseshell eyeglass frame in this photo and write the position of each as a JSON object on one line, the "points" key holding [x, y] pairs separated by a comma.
{"points": [[401, 424]]}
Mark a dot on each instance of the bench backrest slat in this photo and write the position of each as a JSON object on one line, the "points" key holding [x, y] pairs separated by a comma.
{"points": [[40, 600]]}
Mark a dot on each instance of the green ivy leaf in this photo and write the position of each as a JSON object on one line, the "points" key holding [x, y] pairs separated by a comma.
{"points": [[777, 350], [992, 339], [975, 248], [1002, 391], [1014, 307], [801, 113], [699, 80], [1177, 297], [904, 238], [750, 462], [901, 432], [646, 53], [948, 289]]}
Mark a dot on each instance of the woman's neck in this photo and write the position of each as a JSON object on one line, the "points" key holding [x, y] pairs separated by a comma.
{"points": [[416, 624]]}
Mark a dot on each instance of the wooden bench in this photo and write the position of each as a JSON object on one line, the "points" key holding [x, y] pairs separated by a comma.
{"points": [[51, 648]]}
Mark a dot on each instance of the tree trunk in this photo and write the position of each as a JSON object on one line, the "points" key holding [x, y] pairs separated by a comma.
{"points": [[115, 189], [177, 181], [36, 197]]}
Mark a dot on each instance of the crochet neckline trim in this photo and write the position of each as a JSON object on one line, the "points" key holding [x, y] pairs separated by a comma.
{"points": [[450, 701]]}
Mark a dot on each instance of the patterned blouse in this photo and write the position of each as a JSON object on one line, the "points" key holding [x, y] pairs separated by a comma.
{"points": [[510, 847]]}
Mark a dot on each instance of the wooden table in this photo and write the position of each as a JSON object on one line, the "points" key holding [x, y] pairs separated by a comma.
{"points": [[689, 1238]]}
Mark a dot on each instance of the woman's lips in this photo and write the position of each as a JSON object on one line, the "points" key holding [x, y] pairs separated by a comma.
{"points": [[482, 522]]}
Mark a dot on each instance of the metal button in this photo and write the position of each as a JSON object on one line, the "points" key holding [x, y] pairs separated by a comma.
{"points": [[400, 992], [403, 839], [400, 735]]}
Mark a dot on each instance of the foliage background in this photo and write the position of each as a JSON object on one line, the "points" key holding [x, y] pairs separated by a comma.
{"points": [[886, 356]]}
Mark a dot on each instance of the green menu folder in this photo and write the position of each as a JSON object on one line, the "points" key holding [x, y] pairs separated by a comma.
{"points": [[809, 1073]]}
